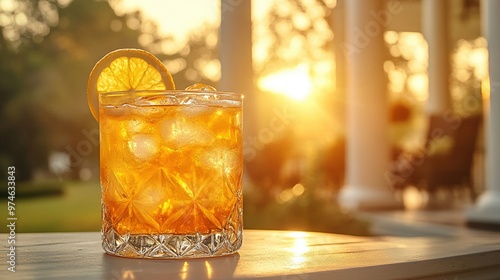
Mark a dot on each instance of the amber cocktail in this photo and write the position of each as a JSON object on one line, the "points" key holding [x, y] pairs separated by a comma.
{"points": [[171, 172]]}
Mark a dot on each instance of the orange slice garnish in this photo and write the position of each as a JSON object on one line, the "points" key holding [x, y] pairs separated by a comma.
{"points": [[126, 70]]}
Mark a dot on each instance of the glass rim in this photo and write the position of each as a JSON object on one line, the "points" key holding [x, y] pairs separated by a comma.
{"points": [[171, 92]]}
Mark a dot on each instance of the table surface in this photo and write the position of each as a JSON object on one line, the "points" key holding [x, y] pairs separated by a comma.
{"points": [[266, 255]]}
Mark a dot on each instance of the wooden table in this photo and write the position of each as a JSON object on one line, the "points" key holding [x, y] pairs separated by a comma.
{"points": [[266, 255]]}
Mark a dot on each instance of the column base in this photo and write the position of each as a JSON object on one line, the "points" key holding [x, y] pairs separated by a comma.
{"points": [[366, 198], [486, 212]]}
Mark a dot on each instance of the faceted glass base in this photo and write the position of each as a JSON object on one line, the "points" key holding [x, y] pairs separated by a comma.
{"points": [[171, 246]]}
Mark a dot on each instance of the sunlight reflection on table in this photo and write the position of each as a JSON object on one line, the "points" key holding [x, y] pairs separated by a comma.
{"points": [[299, 248]]}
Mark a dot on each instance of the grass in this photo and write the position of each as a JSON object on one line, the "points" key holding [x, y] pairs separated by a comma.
{"points": [[76, 208]]}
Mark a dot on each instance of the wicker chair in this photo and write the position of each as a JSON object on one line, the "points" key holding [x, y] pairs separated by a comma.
{"points": [[445, 162]]}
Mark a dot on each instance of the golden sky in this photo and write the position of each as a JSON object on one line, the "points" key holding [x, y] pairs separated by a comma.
{"points": [[179, 17]]}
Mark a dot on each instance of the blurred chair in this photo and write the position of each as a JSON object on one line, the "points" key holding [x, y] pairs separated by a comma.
{"points": [[445, 162]]}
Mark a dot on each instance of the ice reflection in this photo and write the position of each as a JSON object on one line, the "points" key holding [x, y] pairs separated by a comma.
{"points": [[207, 268]]}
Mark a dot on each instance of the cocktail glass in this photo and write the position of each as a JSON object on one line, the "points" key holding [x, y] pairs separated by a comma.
{"points": [[171, 173]]}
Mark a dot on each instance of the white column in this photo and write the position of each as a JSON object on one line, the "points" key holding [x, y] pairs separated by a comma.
{"points": [[235, 54], [487, 209], [435, 30], [367, 108]]}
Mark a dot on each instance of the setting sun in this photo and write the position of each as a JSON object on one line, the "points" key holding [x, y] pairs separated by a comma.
{"points": [[294, 83]]}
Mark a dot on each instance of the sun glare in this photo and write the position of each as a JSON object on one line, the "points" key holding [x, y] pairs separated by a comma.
{"points": [[189, 16], [294, 83]]}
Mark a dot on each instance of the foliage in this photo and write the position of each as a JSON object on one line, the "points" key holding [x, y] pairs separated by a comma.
{"points": [[289, 193], [47, 64], [296, 31], [196, 62], [304, 212], [46, 59], [38, 188]]}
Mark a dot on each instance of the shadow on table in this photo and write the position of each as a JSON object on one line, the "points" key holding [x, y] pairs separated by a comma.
{"points": [[204, 268]]}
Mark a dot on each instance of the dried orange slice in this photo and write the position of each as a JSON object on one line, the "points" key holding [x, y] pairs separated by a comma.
{"points": [[126, 70]]}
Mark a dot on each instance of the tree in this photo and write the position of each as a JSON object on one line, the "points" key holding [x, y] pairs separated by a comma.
{"points": [[45, 64], [47, 50]]}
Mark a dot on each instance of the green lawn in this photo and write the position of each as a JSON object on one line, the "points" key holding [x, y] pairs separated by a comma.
{"points": [[76, 209]]}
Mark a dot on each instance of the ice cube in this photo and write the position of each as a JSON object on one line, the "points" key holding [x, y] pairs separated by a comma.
{"points": [[143, 146], [179, 132], [221, 158], [192, 111], [135, 126], [151, 113], [157, 100], [238, 119], [150, 107], [195, 99], [200, 87], [115, 111]]}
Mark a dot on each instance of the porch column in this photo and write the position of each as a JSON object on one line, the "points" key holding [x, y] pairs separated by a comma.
{"points": [[367, 153], [487, 209], [435, 30], [235, 54]]}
